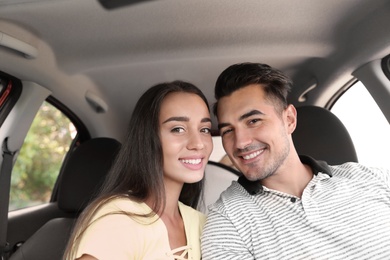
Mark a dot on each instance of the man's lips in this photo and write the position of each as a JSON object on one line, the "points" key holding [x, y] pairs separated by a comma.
{"points": [[252, 155]]}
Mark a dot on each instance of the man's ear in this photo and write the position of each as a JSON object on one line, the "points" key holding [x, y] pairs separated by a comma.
{"points": [[291, 118]]}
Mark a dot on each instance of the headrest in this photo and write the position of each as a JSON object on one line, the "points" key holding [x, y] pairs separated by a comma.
{"points": [[321, 135], [218, 177], [85, 171]]}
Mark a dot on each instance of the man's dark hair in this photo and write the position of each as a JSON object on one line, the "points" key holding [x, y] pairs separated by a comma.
{"points": [[275, 84]]}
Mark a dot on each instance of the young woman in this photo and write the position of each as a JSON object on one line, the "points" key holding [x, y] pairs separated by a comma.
{"points": [[146, 209]]}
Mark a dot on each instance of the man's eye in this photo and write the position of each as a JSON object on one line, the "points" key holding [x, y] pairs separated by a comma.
{"points": [[226, 131], [254, 121]]}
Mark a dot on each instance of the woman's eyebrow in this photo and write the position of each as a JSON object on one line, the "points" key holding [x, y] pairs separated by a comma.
{"points": [[177, 118], [185, 119]]}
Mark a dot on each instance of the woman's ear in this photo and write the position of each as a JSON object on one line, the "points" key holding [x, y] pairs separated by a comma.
{"points": [[291, 118]]}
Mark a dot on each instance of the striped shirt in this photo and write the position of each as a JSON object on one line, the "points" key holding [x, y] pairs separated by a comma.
{"points": [[344, 213]]}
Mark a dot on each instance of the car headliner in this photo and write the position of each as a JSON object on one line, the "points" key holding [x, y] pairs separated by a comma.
{"points": [[114, 55]]}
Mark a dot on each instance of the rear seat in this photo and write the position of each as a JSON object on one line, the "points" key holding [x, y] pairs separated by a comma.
{"points": [[321, 135], [217, 178], [81, 179]]}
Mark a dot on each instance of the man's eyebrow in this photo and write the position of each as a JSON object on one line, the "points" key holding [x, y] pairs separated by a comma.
{"points": [[221, 125], [250, 113], [185, 119], [244, 116]]}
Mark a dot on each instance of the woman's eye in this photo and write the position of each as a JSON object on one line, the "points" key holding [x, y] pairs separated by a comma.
{"points": [[206, 130], [178, 130]]}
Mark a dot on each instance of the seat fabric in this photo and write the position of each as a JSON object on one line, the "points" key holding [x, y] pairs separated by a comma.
{"points": [[48, 242], [321, 135], [81, 179], [217, 178]]}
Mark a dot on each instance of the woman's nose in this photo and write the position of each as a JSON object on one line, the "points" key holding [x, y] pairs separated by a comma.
{"points": [[195, 142]]}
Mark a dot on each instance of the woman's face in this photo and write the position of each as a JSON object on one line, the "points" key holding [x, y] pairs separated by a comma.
{"points": [[185, 137]]}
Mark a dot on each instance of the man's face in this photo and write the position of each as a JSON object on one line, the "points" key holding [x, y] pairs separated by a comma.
{"points": [[255, 135]]}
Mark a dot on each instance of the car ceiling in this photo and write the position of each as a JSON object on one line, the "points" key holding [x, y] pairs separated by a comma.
{"points": [[114, 55]]}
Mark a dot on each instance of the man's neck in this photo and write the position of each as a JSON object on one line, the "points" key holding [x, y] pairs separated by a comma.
{"points": [[292, 177]]}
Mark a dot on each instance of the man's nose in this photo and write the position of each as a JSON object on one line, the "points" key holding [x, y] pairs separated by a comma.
{"points": [[242, 138]]}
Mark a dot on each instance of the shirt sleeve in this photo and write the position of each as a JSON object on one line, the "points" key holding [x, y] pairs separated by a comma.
{"points": [[381, 173], [385, 175], [111, 237], [221, 240]]}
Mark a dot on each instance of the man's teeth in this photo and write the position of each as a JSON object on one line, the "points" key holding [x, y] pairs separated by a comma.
{"points": [[252, 155], [192, 161]]}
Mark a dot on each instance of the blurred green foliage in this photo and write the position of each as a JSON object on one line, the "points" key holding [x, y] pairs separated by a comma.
{"points": [[40, 158]]}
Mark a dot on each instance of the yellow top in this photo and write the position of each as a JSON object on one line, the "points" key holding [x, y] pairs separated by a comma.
{"points": [[118, 236]]}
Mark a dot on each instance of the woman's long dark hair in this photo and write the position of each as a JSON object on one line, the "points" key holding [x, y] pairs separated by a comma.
{"points": [[137, 172]]}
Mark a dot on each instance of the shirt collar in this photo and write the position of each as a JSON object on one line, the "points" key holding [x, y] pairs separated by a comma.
{"points": [[254, 187]]}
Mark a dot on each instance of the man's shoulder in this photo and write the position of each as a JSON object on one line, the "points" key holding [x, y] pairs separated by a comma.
{"points": [[230, 198], [355, 170], [353, 167]]}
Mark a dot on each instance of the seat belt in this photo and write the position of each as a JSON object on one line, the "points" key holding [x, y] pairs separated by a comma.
{"points": [[5, 183]]}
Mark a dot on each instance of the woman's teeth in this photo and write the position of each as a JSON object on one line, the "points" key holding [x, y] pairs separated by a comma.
{"points": [[192, 161]]}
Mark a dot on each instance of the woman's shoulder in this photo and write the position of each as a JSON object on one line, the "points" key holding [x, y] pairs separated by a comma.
{"points": [[123, 207], [190, 212], [125, 204]]}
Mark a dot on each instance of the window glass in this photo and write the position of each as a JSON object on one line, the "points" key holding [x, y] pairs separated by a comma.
{"points": [[39, 161], [366, 124]]}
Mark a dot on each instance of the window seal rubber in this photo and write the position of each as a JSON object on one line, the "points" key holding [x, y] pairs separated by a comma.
{"points": [[386, 66]]}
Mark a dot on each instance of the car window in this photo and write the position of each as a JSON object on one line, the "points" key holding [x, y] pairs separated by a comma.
{"points": [[366, 124], [39, 161]]}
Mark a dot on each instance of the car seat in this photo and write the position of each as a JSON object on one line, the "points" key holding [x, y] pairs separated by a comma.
{"points": [[217, 178], [80, 181], [320, 134]]}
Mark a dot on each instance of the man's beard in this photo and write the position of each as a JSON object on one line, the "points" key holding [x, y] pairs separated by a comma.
{"points": [[257, 173]]}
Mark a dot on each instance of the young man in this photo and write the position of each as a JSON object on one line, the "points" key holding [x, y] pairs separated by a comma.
{"points": [[287, 206]]}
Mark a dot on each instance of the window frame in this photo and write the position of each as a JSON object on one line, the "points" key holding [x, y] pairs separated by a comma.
{"points": [[82, 136]]}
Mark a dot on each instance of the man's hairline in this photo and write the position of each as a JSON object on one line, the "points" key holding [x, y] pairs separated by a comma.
{"points": [[268, 97]]}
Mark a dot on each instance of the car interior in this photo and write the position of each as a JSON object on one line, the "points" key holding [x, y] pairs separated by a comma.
{"points": [[71, 72], [80, 181], [88, 165]]}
